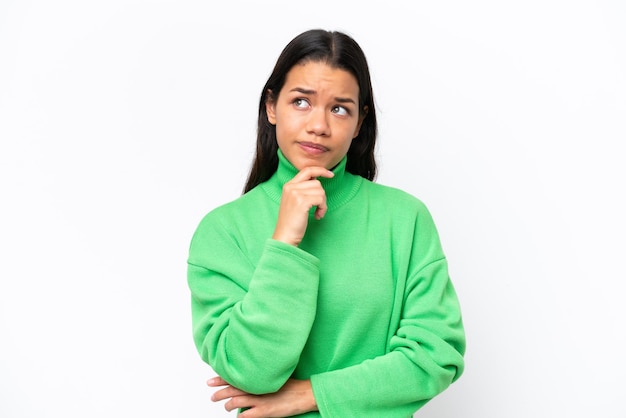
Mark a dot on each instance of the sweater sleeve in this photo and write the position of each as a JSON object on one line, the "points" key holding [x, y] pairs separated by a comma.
{"points": [[250, 324], [425, 351]]}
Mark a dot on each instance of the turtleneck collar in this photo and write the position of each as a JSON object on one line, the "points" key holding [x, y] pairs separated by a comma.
{"points": [[339, 189]]}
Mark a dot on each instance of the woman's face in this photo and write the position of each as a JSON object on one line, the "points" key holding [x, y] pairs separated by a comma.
{"points": [[316, 114]]}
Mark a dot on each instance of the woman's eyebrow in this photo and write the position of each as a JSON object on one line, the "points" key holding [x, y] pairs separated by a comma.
{"points": [[303, 90], [312, 92], [344, 100]]}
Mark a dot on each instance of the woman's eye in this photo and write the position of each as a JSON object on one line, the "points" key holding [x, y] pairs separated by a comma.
{"points": [[340, 110], [300, 103]]}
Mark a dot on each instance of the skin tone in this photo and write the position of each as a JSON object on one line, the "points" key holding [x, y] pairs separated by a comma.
{"points": [[316, 114]]}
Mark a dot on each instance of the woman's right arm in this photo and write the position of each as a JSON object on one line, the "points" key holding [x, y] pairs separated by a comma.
{"points": [[250, 323]]}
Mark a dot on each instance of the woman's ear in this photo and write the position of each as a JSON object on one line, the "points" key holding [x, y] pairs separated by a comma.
{"points": [[270, 107]]}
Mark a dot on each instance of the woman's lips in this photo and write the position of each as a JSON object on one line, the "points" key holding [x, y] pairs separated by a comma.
{"points": [[312, 148]]}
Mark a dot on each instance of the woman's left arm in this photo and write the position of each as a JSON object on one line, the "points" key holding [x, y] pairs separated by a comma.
{"points": [[425, 352], [425, 356]]}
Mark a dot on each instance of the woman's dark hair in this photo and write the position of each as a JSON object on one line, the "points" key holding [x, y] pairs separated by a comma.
{"points": [[339, 51]]}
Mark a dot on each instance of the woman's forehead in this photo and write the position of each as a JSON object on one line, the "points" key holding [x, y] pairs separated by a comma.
{"points": [[320, 76]]}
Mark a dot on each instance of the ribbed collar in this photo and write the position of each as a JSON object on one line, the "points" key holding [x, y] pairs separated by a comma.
{"points": [[339, 189]]}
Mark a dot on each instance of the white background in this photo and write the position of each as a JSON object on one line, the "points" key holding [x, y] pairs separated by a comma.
{"points": [[123, 122]]}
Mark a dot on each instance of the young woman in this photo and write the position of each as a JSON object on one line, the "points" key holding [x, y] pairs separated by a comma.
{"points": [[319, 292]]}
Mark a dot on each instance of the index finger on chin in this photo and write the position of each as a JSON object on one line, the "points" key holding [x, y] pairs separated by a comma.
{"points": [[308, 173]]}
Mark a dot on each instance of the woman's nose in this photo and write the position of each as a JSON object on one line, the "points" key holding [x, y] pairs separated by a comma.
{"points": [[318, 122]]}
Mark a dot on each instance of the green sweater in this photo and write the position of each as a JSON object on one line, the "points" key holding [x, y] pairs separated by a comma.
{"points": [[364, 307]]}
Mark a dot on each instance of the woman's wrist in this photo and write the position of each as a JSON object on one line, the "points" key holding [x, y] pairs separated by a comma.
{"points": [[308, 398]]}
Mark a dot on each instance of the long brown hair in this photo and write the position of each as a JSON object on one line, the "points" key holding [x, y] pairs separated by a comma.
{"points": [[339, 51]]}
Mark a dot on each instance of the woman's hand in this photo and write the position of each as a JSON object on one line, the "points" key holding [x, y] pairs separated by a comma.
{"points": [[300, 194], [295, 397]]}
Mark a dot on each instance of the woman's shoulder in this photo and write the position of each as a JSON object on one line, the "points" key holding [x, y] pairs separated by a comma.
{"points": [[231, 211], [394, 197], [402, 208]]}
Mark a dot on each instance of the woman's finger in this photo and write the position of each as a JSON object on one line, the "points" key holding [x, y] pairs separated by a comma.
{"points": [[216, 381], [308, 173], [226, 393]]}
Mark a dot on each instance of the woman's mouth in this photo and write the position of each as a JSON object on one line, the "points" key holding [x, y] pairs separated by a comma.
{"points": [[312, 148]]}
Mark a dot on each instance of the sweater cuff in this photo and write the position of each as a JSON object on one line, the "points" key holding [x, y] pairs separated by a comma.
{"points": [[280, 247], [319, 392]]}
